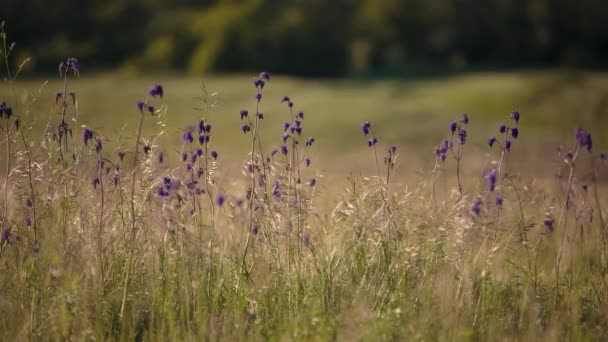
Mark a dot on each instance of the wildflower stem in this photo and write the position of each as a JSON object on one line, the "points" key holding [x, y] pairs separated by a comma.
{"points": [[8, 169], [252, 196], [596, 197], [434, 181], [131, 242], [30, 184], [458, 157], [563, 217]]}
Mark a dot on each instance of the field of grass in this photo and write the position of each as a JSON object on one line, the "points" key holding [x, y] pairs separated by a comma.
{"points": [[95, 247]]}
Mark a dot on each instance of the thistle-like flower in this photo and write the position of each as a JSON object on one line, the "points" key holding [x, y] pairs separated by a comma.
{"points": [[491, 179], [515, 116], [452, 127], [514, 132], [365, 127], [87, 135], [476, 208], [491, 141], [156, 90]]}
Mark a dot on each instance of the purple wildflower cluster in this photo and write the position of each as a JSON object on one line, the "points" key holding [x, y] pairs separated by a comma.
{"points": [[6, 110], [507, 132]]}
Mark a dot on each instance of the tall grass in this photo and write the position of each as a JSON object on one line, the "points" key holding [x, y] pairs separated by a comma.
{"points": [[121, 244]]}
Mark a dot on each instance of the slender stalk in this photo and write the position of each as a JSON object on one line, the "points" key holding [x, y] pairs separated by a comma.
{"points": [[100, 232], [458, 157], [252, 193], [128, 266], [596, 197], [434, 181], [563, 217], [30, 184], [8, 169]]}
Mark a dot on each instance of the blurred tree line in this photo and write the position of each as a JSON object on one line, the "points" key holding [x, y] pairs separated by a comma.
{"points": [[310, 37]]}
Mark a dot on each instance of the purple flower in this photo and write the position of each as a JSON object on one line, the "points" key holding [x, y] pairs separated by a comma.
{"points": [[514, 132], [220, 200], [254, 230], [121, 155], [151, 109], [310, 141], [508, 145], [301, 115], [214, 154], [202, 139], [285, 137], [98, 145], [502, 128], [306, 240], [476, 208], [116, 178], [184, 156], [583, 138], [392, 150], [491, 141], [265, 75], [244, 113], [549, 224], [174, 184], [6, 235], [284, 149], [28, 222], [371, 142], [188, 137], [515, 116], [452, 127], [257, 82], [312, 182], [366, 127], [307, 161], [208, 128], [73, 64], [167, 181], [156, 90], [140, 105], [199, 152], [498, 200], [462, 136], [29, 203], [147, 149], [87, 135], [96, 182], [245, 128], [285, 99], [161, 192], [258, 96], [464, 119], [273, 152], [491, 179]]}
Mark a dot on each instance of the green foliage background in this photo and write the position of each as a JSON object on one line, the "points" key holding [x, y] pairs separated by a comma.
{"points": [[312, 37]]}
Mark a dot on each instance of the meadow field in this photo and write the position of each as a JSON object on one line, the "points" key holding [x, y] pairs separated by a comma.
{"points": [[206, 212]]}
